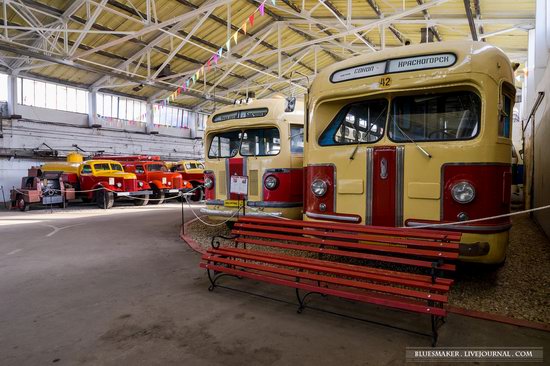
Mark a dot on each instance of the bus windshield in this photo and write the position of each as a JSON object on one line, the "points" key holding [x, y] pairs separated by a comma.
{"points": [[435, 117], [260, 142], [251, 142], [225, 145]]}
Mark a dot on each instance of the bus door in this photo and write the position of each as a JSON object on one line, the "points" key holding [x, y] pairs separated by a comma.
{"points": [[384, 186]]}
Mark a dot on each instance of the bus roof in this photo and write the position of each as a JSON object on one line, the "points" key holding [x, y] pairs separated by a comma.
{"points": [[260, 112], [425, 59]]}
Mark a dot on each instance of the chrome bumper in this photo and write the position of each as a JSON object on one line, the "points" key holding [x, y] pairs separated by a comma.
{"points": [[229, 213]]}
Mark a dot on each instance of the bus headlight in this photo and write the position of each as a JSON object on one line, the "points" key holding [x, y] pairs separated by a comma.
{"points": [[271, 182], [208, 183], [463, 192], [319, 187]]}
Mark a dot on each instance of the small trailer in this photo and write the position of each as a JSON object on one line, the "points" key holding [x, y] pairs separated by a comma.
{"points": [[44, 188]]}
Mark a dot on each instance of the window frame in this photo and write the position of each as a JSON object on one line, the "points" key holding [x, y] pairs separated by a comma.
{"points": [[438, 91], [260, 128], [341, 115]]}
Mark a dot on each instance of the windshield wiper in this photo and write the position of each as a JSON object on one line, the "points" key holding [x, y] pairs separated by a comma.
{"points": [[411, 140]]}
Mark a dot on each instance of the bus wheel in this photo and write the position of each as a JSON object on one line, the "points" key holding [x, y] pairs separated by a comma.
{"points": [[105, 199], [198, 193], [22, 205], [141, 200], [157, 197]]}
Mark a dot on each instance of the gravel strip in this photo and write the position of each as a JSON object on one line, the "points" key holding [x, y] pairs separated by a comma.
{"points": [[519, 289]]}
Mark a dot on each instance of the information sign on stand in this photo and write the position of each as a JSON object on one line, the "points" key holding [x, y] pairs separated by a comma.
{"points": [[239, 186]]}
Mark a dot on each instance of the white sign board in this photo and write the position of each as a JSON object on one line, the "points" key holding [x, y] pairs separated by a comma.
{"points": [[422, 62], [239, 185], [358, 72]]}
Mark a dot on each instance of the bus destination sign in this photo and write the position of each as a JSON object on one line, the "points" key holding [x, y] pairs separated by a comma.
{"points": [[393, 66]]}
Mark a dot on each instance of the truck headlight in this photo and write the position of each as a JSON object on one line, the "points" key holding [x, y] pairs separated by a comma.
{"points": [[169, 184], [140, 184], [463, 192], [208, 183], [271, 182], [319, 187], [119, 184]]}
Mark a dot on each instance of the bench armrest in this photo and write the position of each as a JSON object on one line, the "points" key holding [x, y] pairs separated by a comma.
{"points": [[215, 243]]}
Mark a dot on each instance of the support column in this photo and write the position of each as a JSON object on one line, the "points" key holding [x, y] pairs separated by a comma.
{"points": [[150, 118], [12, 94], [93, 121]]}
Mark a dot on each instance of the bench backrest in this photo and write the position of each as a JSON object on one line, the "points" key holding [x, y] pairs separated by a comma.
{"points": [[401, 246]]}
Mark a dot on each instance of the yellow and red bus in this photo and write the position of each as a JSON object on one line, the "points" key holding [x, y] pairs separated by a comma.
{"points": [[415, 136], [262, 140]]}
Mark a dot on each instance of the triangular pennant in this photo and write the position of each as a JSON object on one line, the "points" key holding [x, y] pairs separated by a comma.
{"points": [[273, 2], [187, 83], [228, 45], [209, 63], [244, 27], [202, 69], [251, 20], [262, 10], [220, 52], [215, 58], [179, 90], [193, 78], [235, 37]]}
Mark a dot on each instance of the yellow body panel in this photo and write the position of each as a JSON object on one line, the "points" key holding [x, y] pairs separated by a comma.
{"points": [[70, 167], [479, 68]]}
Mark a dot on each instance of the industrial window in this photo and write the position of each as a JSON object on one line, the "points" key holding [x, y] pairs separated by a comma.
{"points": [[121, 108], [201, 121], [3, 88], [172, 117], [36, 93], [260, 142]]}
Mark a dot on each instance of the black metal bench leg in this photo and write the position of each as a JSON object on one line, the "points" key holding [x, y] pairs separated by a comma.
{"points": [[301, 302], [214, 278], [434, 330], [212, 281]]}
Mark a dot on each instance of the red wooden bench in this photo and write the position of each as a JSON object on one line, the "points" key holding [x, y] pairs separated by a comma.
{"points": [[400, 268]]}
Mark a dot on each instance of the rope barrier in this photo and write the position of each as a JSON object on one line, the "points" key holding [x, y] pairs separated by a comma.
{"points": [[478, 220]]}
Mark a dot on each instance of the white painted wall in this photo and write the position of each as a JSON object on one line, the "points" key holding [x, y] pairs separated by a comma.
{"points": [[538, 79], [11, 171]]}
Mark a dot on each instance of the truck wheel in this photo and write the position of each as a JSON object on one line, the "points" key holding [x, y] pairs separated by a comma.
{"points": [[141, 200], [158, 197], [198, 193], [105, 199], [22, 205]]}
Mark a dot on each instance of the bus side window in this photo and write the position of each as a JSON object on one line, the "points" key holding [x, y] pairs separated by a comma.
{"points": [[505, 117], [296, 139]]}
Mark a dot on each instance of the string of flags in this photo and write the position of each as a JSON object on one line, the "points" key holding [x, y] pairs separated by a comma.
{"points": [[216, 56]]}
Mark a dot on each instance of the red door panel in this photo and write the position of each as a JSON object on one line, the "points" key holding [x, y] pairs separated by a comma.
{"points": [[383, 188]]}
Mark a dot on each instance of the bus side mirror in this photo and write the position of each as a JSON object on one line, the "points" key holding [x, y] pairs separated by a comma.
{"points": [[290, 104]]}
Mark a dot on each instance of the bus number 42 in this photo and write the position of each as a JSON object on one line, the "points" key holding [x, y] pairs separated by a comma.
{"points": [[385, 82]]}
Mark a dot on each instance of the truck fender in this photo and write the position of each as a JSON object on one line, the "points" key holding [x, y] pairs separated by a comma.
{"points": [[156, 183]]}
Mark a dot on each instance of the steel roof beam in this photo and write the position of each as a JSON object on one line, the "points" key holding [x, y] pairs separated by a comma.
{"points": [[428, 17]]}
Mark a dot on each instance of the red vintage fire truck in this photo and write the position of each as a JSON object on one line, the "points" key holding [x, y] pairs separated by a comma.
{"points": [[154, 171], [101, 181]]}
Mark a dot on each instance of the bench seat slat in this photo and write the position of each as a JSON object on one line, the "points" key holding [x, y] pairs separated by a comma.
{"points": [[440, 246], [327, 267], [354, 267], [360, 246], [322, 278], [368, 256], [371, 298], [392, 231]]}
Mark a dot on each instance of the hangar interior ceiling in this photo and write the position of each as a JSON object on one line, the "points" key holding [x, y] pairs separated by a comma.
{"points": [[145, 49]]}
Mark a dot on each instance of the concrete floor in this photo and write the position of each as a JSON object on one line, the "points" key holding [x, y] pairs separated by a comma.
{"points": [[118, 287]]}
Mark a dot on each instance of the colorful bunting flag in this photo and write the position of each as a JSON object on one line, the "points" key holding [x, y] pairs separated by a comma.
{"points": [[251, 20], [244, 27], [262, 10], [215, 58], [273, 2], [235, 36], [228, 45], [220, 52]]}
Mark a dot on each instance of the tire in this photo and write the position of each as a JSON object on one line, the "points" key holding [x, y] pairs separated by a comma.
{"points": [[158, 196], [105, 199], [198, 194], [141, 200], [22, 205]]}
